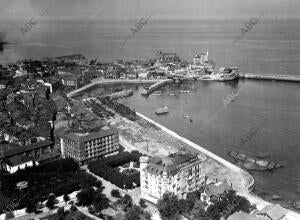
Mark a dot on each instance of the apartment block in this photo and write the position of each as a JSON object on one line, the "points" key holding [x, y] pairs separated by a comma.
{"points": [[177, 173], [85, 146]]}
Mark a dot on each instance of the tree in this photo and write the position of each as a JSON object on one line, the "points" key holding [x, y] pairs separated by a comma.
{"points": [[100, 201], [199, 210], [85, 197], [66, 198], [143, 203], [191, 198], [229, 203], [136, 213], [133, 213], [126, 202], [30, 206], [183, 206], [61, 213], [115, 193], [51, 201], [168, 207]]}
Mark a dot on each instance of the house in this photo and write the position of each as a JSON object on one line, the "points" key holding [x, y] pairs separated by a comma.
{"points": [[271, 212], [70, 80], [34, 150], [18, 162], [241, 215], [214, 191], [24, 123], [3, 84], [52, 83]]}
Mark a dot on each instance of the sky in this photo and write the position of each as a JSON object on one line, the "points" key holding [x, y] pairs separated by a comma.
{"points": [[131, 9]]}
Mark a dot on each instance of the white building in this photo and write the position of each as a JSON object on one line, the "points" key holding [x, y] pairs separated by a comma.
{"points": [[18, 162], [178, 173]]}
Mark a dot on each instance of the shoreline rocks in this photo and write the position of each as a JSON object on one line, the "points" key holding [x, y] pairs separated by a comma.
{"points": [[251, 163]]}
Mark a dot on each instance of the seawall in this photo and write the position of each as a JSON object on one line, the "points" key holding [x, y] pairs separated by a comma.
{"points": [[110, 82], [249, 180], [276, 77], [155, 86]]}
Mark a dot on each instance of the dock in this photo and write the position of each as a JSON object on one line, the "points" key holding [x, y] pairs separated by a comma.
{"points": [[97, 82], [155, 86], [276, 77]]}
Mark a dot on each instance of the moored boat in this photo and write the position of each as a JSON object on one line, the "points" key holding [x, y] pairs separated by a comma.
{"points": [[161, 111]]}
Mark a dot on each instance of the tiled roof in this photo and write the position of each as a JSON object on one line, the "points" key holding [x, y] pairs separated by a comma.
{"points": [[275, 212], [48, 155], [169, 164], [18, 159], [217, 188], [11, 150], [241, 216]]}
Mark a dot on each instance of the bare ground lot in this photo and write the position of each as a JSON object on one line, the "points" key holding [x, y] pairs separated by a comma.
{"points": [[147, 138]]}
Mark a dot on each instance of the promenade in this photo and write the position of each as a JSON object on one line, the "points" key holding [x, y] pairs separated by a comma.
{"points": [[247, 178]]}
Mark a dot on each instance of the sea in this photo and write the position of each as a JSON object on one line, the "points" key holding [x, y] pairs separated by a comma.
{"points": [[261, 118]]}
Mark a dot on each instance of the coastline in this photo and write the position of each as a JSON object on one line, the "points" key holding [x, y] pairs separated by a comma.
{"points": [[254, 197], [247, 178]]}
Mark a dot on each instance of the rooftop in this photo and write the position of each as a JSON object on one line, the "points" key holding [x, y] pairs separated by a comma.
{"points": [[8, 150], [170, 163], [241, 215], [217, 188], [18, 159], [273, 211], [85, 136]]}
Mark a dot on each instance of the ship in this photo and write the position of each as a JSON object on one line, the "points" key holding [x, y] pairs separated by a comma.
{"points": [[145, 91], [161, 111], [226, 73]]}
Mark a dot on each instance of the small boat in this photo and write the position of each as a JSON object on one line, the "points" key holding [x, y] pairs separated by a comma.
{"points": [[163, 110], [172, 94], [184, 91], [185, 116], [157, 93]]}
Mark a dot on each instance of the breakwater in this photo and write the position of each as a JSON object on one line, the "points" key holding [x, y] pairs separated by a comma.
{"points": [[155, 86], [288, 78], [109, 82]]}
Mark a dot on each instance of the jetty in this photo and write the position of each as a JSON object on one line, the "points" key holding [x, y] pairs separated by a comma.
{"points": [[155, 86], [96, 82], [276, 77]]}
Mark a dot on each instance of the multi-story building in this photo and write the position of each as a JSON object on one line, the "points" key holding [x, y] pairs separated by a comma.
{"points": [[200, 60], [85, 146], [178, 173], [167, 57]]}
